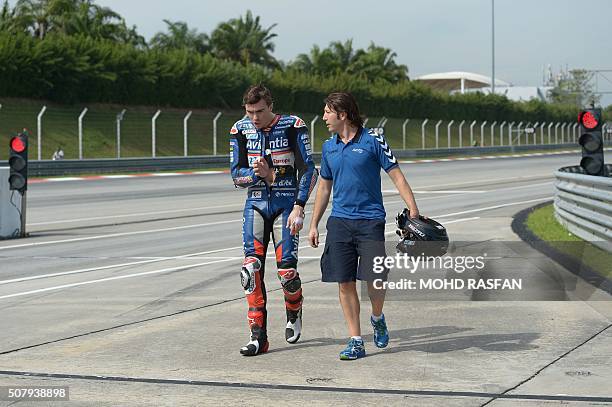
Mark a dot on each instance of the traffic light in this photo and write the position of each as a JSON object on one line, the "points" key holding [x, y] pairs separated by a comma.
{"points": [[591, 141], [18, 162]]}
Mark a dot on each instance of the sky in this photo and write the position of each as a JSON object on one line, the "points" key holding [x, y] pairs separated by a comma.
{"points": [[428, 35]]}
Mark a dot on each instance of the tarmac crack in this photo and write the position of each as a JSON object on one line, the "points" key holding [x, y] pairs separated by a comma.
{"points": [[505, 392], [294, 387]]}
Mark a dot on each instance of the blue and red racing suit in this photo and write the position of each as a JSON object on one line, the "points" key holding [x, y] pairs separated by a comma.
{"points": [[286, 147]]}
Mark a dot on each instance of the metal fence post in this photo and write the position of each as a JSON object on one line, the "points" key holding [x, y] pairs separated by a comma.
{"points": [[448, 132], [482, 133], [438, 133], [83, 113], [493, 133], [365, 121], [556, 135], [472, 132], [563, 133], [501, 133], [312, 133], [574, 132], [154, 133], [118, 121], [549, 126], [423, 133], [542, 132], [535, 134], [461, 133], [382, 122], [510, 125], [404, 133], [215, 132], [186, 132], [520, 126], [39, 131]]}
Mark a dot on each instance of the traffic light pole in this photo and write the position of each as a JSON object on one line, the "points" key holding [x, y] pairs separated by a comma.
{"points": [[23, 214]]}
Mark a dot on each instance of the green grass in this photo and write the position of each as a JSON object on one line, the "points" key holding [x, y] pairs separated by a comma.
{"points": [[543, 224], [60, 127]]}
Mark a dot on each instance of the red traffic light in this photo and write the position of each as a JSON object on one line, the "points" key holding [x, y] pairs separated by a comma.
{"points": [[588, 119], [18, 144]]}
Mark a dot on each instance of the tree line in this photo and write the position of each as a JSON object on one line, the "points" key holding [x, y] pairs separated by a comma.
{"points": [[75, 51]]}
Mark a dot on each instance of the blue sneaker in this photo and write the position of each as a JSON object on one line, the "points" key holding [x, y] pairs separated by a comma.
{"points": [[381, 333], [354, 350]]}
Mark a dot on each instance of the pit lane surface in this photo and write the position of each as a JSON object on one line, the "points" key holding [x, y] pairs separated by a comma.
{"points": [[138, 278]]}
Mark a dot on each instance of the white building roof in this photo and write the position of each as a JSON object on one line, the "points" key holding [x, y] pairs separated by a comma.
{"points": [[457, 76]]}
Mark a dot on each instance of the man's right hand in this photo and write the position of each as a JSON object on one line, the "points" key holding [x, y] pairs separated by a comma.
{"points": [[313, 236], [262, 170]]}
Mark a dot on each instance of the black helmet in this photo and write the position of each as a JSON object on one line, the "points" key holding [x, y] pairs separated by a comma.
{"points": [[420, 236]]}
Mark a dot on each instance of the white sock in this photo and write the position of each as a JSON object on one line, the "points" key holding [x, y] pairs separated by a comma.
{"points": [[377, 318], [357, 338]]}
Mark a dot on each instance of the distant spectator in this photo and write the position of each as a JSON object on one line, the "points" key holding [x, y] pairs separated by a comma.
{"points": [[58, 154]]}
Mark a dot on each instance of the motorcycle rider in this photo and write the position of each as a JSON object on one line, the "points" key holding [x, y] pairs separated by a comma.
{"points": [[271, 156]]}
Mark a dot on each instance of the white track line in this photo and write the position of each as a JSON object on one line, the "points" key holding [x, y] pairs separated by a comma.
{"points": [[135, 214], [391, 191], [58, 287], [112, 266], [80, 239], [523, 186], [493, 207]]}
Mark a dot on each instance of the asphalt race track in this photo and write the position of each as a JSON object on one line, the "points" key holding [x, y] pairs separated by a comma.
{"points": [[128, 292]]}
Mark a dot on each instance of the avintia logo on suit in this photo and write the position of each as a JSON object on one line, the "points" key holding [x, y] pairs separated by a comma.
{"points": [[279, 143]]}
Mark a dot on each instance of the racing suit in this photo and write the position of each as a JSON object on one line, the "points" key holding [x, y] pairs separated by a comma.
{"points": [[286, 147]]}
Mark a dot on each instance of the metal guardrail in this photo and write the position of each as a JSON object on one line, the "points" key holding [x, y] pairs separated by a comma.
{"points": [[46, 168], [583, 204]]}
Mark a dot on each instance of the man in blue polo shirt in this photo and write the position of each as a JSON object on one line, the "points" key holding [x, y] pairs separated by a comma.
{"points": [[350, 164]]}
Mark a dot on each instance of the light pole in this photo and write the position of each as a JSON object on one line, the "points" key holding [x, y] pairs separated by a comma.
{"points": [[493, 46]]}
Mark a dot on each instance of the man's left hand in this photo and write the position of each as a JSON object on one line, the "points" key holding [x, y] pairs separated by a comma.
{"points": [[295, 221]]}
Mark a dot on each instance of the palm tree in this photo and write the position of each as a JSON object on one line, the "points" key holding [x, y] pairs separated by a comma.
{"points": [[344, 53], [72, 17], [8, 22], [91, 20], [130, 36], [379, 63], [322, 62], [179, 36], [41, 16], [245, 40]]}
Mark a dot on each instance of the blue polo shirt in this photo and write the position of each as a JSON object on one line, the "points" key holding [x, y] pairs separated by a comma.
{"points": [[354, 169]]}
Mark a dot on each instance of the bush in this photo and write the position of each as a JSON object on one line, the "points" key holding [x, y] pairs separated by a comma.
{"points": [[78, 69]]}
